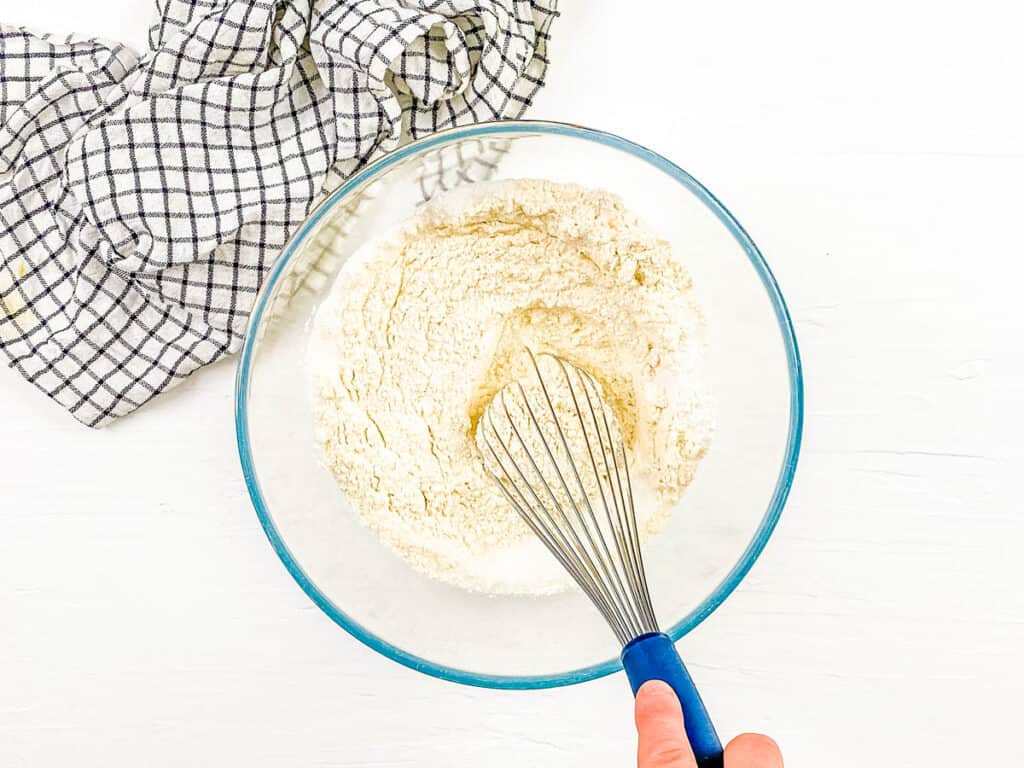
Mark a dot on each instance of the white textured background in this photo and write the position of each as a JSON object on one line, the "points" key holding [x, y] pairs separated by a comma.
{"points": [[876, 155]]}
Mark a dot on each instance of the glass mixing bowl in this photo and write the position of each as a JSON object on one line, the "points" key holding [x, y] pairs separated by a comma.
{"points": [[715, 534]]}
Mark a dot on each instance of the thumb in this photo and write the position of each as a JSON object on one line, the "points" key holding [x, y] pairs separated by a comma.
{"points": [[661, 740]]}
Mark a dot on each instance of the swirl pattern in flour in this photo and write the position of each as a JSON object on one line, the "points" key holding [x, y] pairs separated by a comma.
{"points": [[424, 325]]}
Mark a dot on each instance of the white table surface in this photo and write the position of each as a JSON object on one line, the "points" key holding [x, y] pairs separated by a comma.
{"points": [[877, 158]]}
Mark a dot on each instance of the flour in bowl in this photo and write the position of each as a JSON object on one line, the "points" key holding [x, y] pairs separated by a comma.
{"points": [[424, 325]]}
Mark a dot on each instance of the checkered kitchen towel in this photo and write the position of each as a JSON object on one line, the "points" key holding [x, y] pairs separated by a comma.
{"points": [[143, 199]]}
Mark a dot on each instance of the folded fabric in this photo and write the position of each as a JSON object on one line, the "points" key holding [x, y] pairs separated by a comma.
{"points": [[143, 199]]}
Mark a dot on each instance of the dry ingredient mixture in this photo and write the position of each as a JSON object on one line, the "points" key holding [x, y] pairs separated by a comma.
{"points": [[424, 325]]}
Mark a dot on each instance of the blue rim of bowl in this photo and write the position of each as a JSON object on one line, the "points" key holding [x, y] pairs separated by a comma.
{"points": [[786, 472]]}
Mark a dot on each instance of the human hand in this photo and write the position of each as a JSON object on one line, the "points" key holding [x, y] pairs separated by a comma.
{"points": [[662, 743]]}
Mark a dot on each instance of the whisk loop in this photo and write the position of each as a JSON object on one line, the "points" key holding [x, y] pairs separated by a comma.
{"points": [[532, 457], [554, 447]]}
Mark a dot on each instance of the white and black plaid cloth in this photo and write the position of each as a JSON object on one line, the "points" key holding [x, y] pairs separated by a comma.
{"points": [[144, 198]]}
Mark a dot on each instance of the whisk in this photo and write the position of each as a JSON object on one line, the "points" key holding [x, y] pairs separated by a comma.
{"points": [[555, 449]]}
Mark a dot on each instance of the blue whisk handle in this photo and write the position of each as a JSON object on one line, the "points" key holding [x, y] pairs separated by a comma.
{"points": [[654, 657]]}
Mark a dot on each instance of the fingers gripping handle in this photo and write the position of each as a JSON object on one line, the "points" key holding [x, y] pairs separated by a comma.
{"points": [[654, 657]]}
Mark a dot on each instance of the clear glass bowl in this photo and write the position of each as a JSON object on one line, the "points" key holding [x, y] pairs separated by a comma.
{"points": [[722, 523]]}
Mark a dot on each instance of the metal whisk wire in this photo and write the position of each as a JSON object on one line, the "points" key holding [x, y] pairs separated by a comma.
{"points": [[559, 487], [601, 552]]}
